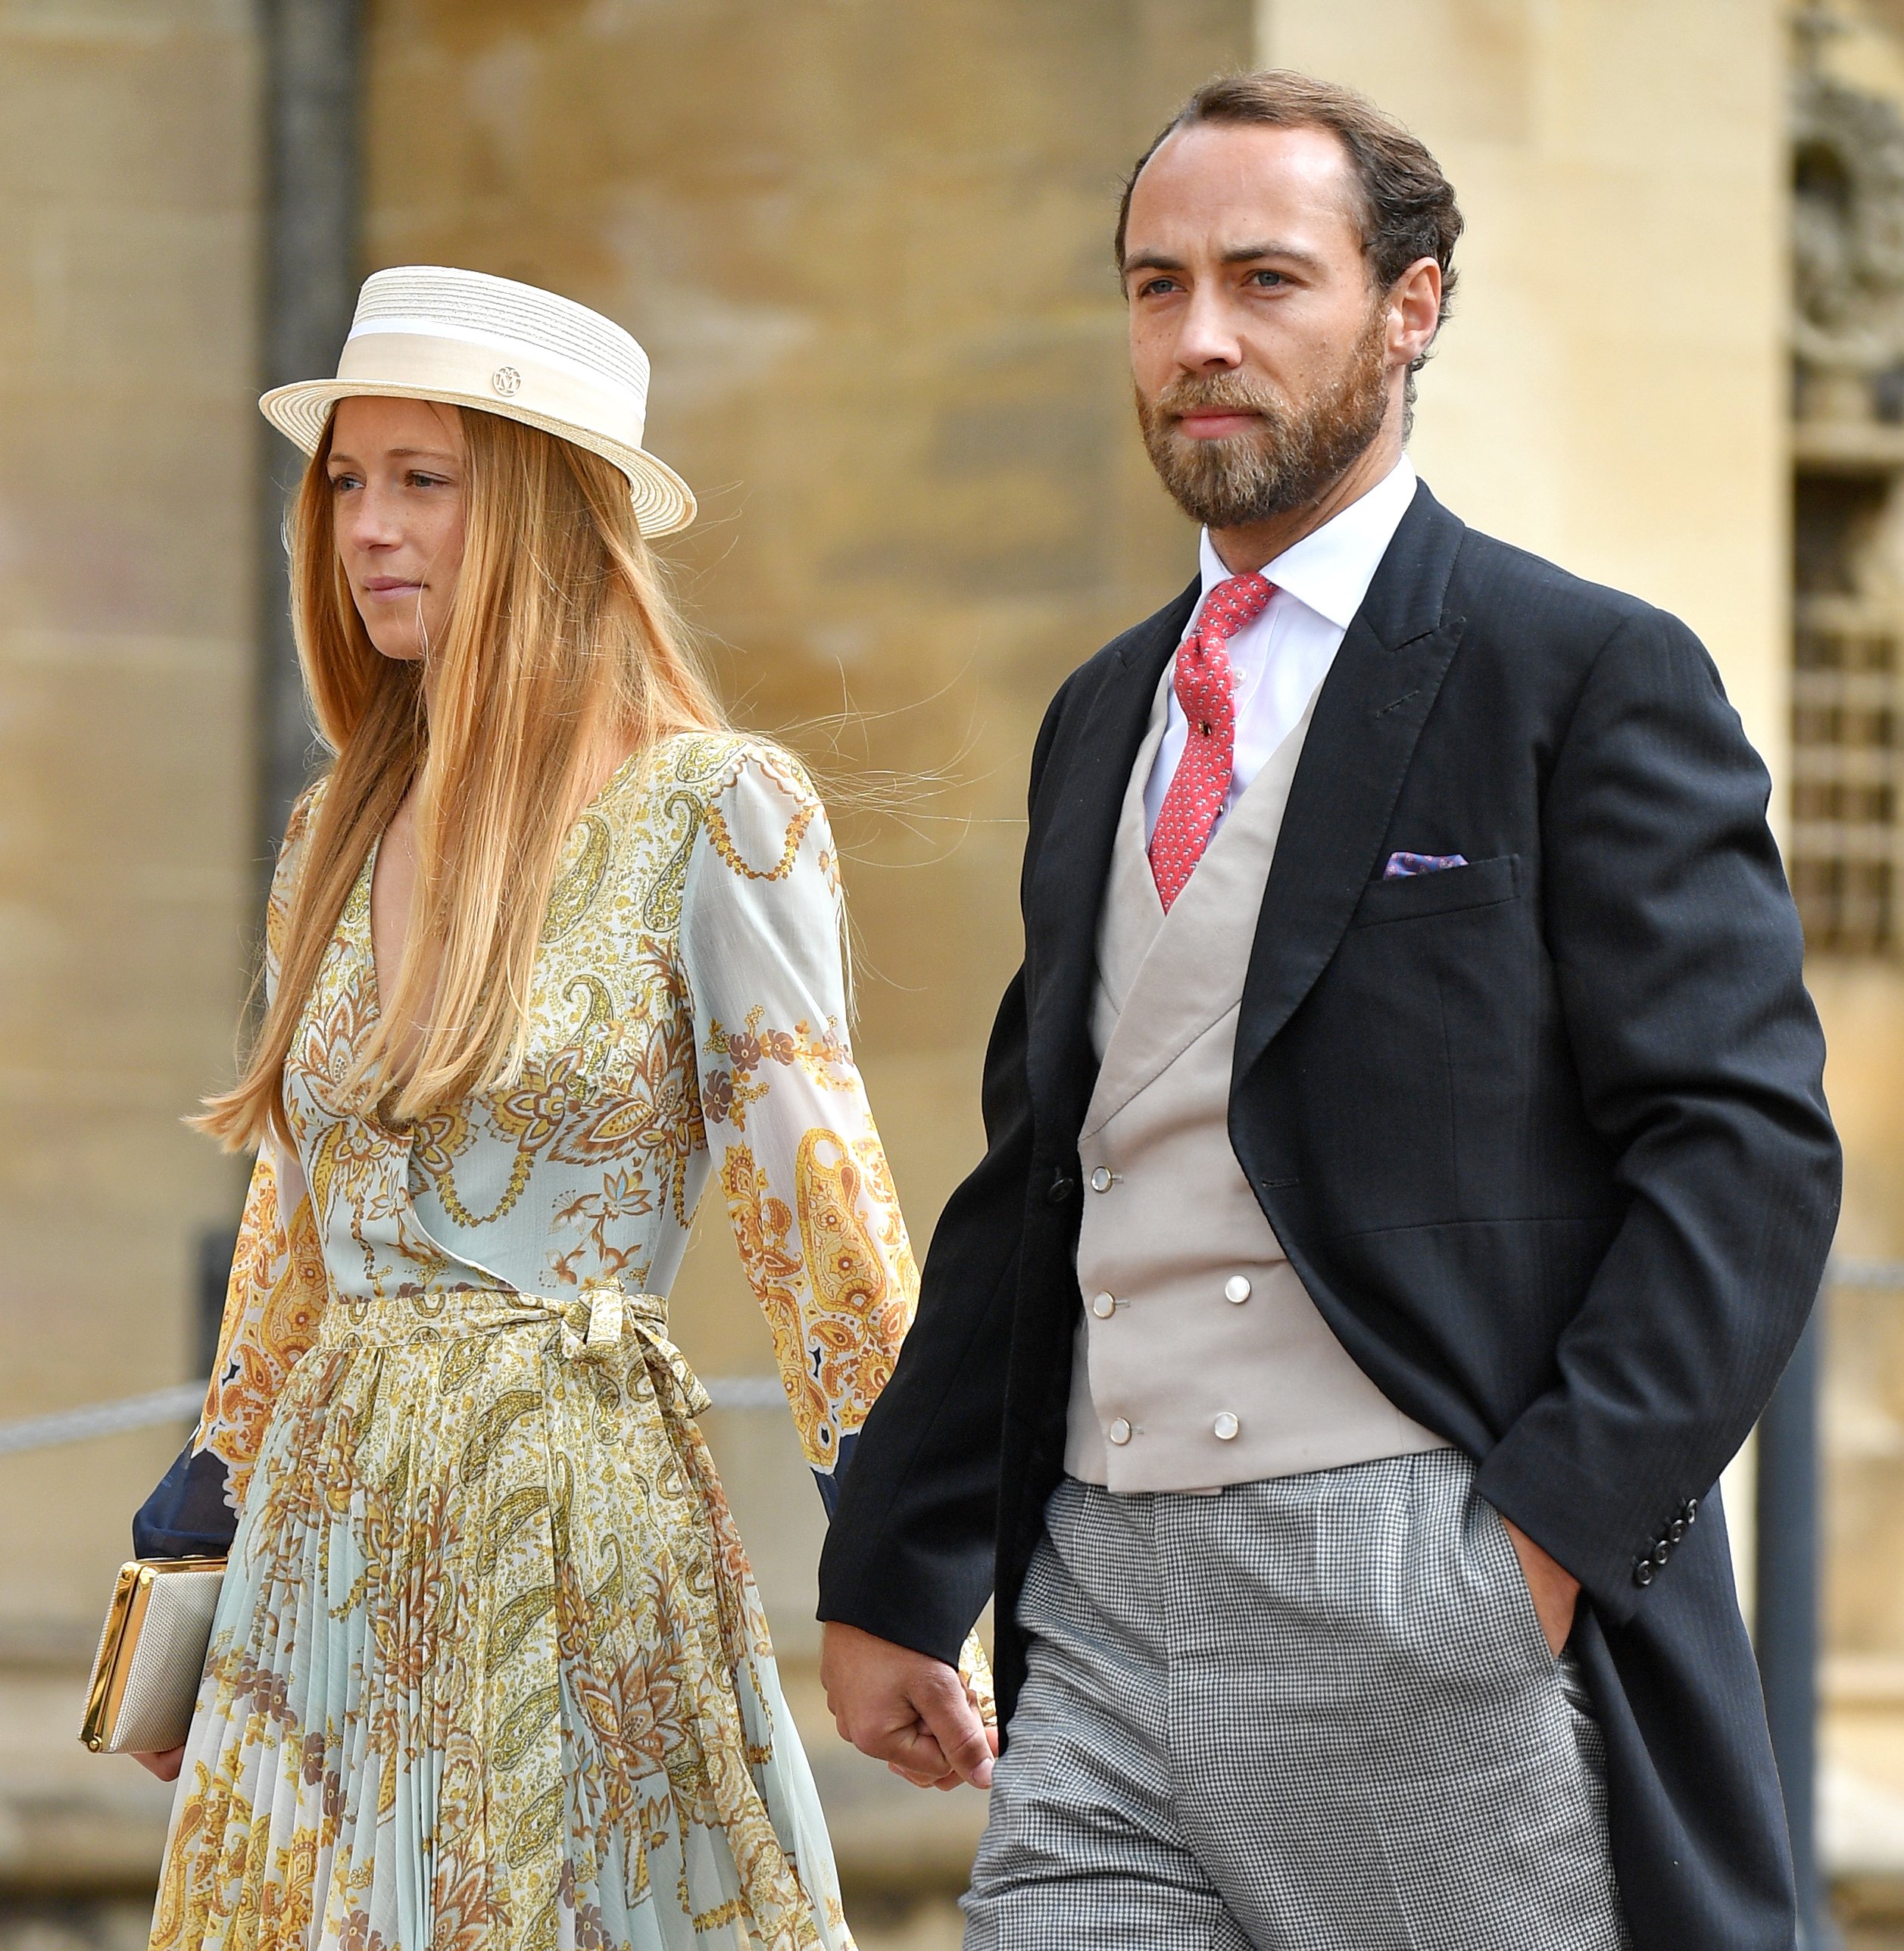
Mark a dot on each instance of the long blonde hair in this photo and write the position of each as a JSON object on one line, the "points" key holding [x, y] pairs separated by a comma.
{"points": [[561, 647]]}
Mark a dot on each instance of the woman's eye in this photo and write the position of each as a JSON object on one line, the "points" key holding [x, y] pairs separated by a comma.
{"points": [[339, 482], [428, 481]]}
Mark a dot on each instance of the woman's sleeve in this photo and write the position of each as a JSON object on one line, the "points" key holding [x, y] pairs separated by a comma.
{"points": [[272, 1306], [792, 1137]]}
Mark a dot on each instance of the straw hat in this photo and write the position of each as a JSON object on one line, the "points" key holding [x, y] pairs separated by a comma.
{"points": [[424, 332]]}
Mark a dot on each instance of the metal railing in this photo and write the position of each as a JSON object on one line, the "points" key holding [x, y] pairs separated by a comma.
{"points": [[182, 1404], [1865, 1273], [108, 1418]]}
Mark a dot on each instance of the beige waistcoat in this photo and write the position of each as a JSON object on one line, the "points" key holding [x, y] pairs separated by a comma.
{"points": [[1201, 1360]]}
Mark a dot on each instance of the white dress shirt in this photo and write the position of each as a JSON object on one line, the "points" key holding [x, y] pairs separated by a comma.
{"points": [[1279, 660]]}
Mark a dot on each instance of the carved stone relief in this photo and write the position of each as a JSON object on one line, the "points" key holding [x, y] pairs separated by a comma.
{"points": [[1846, 854], [1847, 229]]}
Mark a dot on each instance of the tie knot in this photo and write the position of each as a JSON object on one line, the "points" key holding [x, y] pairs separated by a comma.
{"points": [[1233, 605]]}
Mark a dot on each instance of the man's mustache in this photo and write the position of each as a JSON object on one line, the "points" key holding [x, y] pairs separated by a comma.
{"points": [[1228, 394]]}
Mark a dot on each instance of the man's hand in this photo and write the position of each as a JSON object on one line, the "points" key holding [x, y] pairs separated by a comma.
{"points": [[165, 1764], [904, 1708], [1554, 1589]]}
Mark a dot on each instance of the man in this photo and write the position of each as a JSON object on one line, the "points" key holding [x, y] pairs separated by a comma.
{"points": [[1408, 1174]]}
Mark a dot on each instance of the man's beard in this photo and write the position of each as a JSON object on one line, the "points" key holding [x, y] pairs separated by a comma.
{"points": [[1289, 458]]}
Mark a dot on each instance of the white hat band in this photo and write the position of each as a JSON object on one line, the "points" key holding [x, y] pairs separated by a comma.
{"points": [[508, 374]]}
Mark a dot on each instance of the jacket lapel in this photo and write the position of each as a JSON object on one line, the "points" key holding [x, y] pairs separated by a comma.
{"points": [[1065, 894], [1369, 715]]}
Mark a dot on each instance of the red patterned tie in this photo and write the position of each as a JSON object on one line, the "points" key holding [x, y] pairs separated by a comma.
{"points": [[1202, 779]]}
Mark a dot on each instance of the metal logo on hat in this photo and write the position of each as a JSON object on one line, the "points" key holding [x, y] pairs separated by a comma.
{"points": [[426, 332]]}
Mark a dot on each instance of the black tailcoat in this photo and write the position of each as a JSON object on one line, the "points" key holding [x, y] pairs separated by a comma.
{"points": [[1545, 1137]]}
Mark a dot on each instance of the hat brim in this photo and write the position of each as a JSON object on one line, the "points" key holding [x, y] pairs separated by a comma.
{"points": [[664, 502]]}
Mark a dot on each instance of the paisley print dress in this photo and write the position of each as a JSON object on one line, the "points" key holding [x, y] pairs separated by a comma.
{"points": [[489, 1669]]}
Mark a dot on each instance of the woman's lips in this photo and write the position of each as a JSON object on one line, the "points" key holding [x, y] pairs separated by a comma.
{"points": [[391, 586]]}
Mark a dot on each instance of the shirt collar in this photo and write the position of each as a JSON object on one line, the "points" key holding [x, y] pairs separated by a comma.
{"points": [[1331, 569]]}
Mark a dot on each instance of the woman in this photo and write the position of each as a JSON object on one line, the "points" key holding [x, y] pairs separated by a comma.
{"points": [[546, 945]]}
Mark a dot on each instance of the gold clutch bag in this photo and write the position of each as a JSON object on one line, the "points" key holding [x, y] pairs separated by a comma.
{"points": [[151, 1656]]}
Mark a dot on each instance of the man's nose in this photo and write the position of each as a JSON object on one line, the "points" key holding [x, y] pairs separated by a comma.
{"points": [[1208, 336]]}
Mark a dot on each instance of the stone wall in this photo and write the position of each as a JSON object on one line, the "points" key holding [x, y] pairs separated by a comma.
{"points": [[1861, 1000], [127, 195], [1612, 391]]}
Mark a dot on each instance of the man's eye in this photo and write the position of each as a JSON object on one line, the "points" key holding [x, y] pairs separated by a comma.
{"points": [[1268, 280], [1152, 286]]}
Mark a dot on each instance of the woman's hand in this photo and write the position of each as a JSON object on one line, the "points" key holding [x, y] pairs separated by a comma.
{"points": [[165, 1764]]}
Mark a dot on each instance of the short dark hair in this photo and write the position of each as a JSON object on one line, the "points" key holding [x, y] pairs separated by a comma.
{"points": [[1408, 206]]}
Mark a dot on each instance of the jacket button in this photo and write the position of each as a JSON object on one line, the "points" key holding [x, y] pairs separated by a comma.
{"points": [[1060, 1189], [1119, 1432], [1691, 1510], [1662, 1552], [1226, 1427], [1642, 1572], [1100, 1179], [1104, 1307], [1236, 1289], [1675, 1530]]}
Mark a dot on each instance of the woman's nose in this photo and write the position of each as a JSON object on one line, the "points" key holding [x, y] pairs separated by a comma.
{"points": [[372, 523]]}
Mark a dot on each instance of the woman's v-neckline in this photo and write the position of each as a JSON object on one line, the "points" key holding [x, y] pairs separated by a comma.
{"points": [[367, 878]]}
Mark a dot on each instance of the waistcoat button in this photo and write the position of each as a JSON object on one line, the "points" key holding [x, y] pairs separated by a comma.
{"points": [[1226, 1426], [1100, 1179], [1104, 1307], [1236, 1289], [1119, 1432]]}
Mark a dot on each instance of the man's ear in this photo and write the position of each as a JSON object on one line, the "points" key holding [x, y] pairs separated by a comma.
{"points": [[1415, 310]]}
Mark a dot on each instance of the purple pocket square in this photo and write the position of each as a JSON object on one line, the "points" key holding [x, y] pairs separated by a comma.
{"points": [[1400, 864]]}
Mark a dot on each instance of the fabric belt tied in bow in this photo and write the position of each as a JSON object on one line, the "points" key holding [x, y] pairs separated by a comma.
{"points": [[592, 1325]]}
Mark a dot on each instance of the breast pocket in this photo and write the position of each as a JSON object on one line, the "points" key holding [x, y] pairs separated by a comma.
{"points": [[1443, 891]]}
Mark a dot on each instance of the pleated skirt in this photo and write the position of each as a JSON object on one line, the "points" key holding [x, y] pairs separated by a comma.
{"points": [[489, 1672]]}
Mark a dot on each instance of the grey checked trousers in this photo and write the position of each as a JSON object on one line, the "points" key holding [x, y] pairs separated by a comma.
{"points": [[1313, 1714]]}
